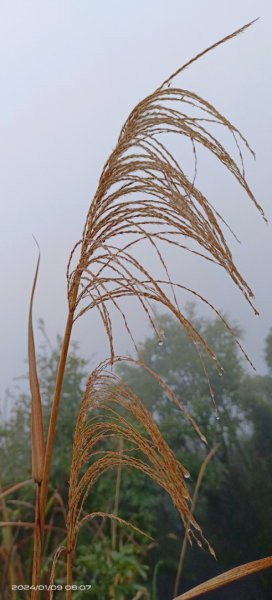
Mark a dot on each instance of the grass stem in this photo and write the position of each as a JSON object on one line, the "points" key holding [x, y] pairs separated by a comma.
{"points": [[194, 501], [43, 488]]}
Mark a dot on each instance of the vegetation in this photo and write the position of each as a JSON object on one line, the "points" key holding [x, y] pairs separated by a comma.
{"points": [[143, 197], [240, 469]]}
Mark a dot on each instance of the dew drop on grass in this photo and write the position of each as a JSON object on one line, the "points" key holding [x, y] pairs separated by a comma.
{"points": [[212, 552], [187, 475], [160, 343]]}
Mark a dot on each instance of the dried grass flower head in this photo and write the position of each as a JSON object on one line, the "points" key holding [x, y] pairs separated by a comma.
{"points": [[144, 194], [110, 409]]}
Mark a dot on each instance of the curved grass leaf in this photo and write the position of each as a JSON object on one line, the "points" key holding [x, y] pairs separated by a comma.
{"points": [[37, 432], [227, 577]]}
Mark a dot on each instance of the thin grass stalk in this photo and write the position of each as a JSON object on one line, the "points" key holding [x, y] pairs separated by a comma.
{"points": [[227, 577], [29, 525], [8, 542], [43, 492], [60, 550], [41, 504], [14, 488], [38, 543], [194, 501], [155, 577], [117, 496], [50, 526], [57, 394], [69, 573], [54, 410]]}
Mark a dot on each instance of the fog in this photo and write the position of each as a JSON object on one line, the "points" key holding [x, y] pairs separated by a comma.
{"points": [[70, 74]]}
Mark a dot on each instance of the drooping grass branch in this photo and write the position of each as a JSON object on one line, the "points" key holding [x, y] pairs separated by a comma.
{"points": [[143, 194], [109, 409]]}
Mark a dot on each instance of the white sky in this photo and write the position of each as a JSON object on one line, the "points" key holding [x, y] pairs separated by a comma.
{"points": [[70, 74]]}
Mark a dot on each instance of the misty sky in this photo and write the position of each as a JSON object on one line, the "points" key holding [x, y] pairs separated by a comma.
{"points": [[70, 74]]}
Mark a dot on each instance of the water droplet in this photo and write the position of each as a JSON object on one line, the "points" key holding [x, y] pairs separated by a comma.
{"points": [[160, 343], [187, 475], [211, 550], [217, 416]]}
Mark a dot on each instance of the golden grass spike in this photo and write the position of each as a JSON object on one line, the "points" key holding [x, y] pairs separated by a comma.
{"points": [[227, 577], [222, 41], [144, 194], [37, 432], [113, 517], [145, 449]]}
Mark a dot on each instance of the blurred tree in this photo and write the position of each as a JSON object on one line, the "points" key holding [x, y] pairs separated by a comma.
{"points": [[16, 432], [234, 505], [268, 350]]}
